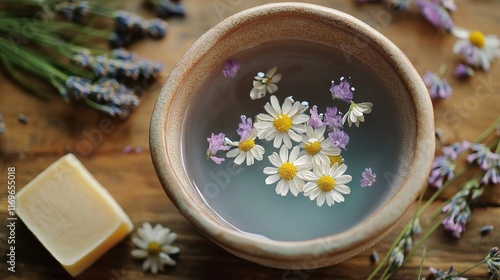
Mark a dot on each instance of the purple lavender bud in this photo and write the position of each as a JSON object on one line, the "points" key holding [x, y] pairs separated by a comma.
{"points": [[169, 8], [463, 71]]}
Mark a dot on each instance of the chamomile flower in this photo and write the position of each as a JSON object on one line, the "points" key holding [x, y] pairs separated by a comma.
{"points": [[288, 171], [317, 148], [282, 123], [154, 246], [479, 50], [356, 113], [327, 184], [246, 150], [264, 83]]}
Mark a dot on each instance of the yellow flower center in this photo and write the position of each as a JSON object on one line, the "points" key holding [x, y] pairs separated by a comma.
{"points": [[326, 183], [282, 123], [153, 248], [477, 38], [287, 171], [313, 147], [246, 145], [335, 159]]}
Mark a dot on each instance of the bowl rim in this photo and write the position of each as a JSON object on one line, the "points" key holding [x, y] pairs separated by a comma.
{"points": [[380, 222]]}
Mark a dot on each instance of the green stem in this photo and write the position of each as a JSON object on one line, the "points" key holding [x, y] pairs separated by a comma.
{"points": [[422, 263], [471, 268]]}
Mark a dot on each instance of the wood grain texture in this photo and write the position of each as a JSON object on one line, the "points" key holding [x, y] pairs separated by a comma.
{"points": [[56, 128]]}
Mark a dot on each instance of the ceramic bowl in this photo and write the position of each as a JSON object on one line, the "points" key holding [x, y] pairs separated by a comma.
{"points": [[355, 45]]}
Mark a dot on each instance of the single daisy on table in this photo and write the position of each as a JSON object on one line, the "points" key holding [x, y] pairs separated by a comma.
{"points": [[154, 244], [356, 113], [282, 123], [264, 83], [479, 50], [327, 184], [288, 171], [316, 147], [246, 151]]}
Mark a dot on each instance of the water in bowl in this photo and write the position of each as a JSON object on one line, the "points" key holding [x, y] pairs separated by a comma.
{"points": [[239, 195]]}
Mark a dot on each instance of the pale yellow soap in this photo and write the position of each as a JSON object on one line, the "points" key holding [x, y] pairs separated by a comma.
{"points": [[71, 214]]}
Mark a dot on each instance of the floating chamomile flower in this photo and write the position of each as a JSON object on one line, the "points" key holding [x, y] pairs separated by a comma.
{"points": [[317, 148], [154, 244], [327, 184], [288, 171], [264, 83], [356, 113], [479, 50], [246, 150], [282, 123]]}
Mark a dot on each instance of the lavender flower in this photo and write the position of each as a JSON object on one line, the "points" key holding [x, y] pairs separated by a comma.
{"points": [[121, 64], [463, 71], [493, 262], [112, 92], [368, 178], [245, 128], [79, 87], [155, 28], [438, 87], [482, 155], [83, 58], [342, 91], [231, 68], [316, 119], [444, 166], [129, 27], [436, 14], [339, 138], [75, 11], [333, 119], [216, 144], [445, 275], [168, 8], [492, 174], [458, 209]]}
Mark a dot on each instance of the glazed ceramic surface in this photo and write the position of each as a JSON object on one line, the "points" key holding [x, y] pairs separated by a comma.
{"points": [[296, 37]]}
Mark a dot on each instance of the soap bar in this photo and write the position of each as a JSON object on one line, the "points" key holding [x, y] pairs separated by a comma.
{"points": [[72, 215]]}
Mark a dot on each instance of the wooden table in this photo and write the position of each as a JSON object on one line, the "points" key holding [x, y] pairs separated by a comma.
{"points": [[56, 128]]}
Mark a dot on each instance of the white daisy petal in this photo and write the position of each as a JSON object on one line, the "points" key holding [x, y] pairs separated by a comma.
{"points": [[272, 179], [139, 253], [270, 170]]}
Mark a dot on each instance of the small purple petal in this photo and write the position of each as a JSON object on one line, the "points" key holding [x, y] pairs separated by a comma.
{"points": [[216, 144], [339, 138], [438, 87], [231, 68], [342, 91], [463, 71], [332, 119], [316, 119], [245, 128], [436, 14], [368, 178]]}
